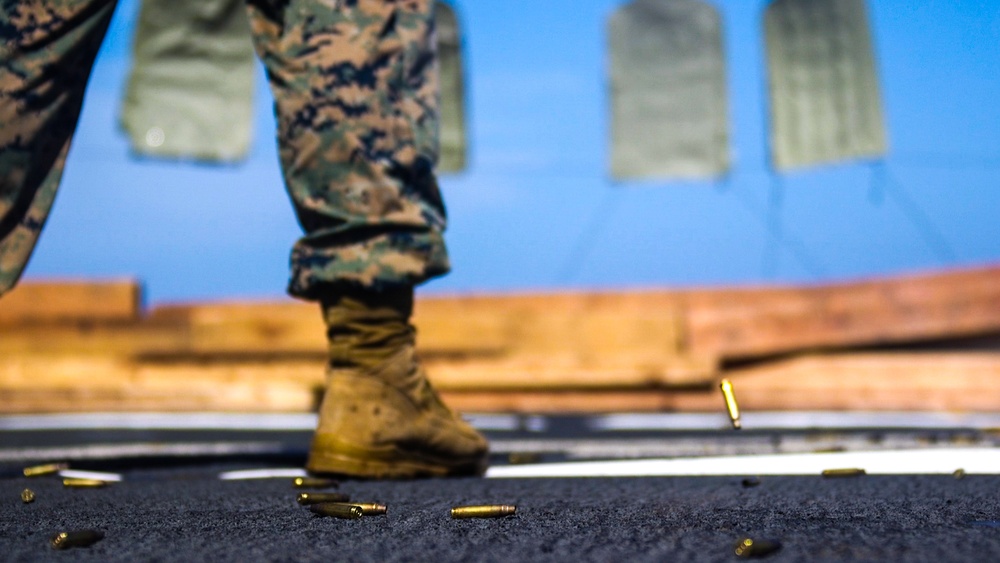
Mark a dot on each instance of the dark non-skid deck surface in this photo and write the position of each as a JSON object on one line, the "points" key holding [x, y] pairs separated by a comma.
{"points": [[187, 515]]}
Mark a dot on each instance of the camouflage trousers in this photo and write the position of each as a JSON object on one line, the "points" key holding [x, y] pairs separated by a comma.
{"points": [[355, 89]]}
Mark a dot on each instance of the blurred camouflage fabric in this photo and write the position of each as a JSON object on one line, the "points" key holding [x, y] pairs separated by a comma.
{"points": [[356, 95], [190, 89], [47, 50], [356, 99]]}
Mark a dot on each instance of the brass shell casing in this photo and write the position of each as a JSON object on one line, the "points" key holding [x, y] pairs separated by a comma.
{"points": [[749, 547], [483, 511], [523, 458], [314, 483], [846, 472], [27, 496], [367, 508], [306, 499], [76, 538], [47, 469], [83, 483], [338, 510], [732, 408]]}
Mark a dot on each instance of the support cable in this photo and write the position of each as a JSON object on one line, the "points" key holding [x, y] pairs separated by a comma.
{"points": [[588, 237], [922, 221], [780, 236]]}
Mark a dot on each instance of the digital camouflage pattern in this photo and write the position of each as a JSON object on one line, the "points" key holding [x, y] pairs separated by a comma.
{"points": [[355, 84], [47, 49], [355, 91]]}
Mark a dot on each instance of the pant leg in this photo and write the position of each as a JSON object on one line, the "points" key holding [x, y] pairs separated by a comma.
{"points": [[356, 99], [47, 49]]}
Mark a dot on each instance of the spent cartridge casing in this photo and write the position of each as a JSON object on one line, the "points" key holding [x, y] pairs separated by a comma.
{"points": [[959, 474], [965, 439], [306, 499], [47, 469], [483, 511], [845, 472], [523, 458], [74, 483], [337, 510], [749, 547], [314, 483], [732, 408], [76, 538], [27, 496], [367, 508]]}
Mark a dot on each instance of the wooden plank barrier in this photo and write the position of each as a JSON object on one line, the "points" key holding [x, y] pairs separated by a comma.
{"points": [[68, 301], [91, 347], [749, 323], [954, 381], [921, 381]]}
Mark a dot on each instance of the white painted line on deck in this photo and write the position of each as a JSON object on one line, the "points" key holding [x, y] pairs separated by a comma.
{"points": [[215, 421], [792, 420], [289, 473], [98, 475], [114, 451], [899, 462], [161, 421], [494, 422]]}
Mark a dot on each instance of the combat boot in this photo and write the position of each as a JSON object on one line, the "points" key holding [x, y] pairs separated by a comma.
{"points": [[380, 417]]}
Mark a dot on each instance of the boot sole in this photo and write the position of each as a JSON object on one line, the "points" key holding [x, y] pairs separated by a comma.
{"points": [[331, 456]]}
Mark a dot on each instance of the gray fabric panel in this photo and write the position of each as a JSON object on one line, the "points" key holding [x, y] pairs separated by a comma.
{"points": [[190, 90], [453, 139], [668, 91], [825, 102]]}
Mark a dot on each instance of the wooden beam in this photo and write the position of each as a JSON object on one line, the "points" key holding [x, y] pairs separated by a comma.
{"points": [[749, 323], [97, 339], [943, 382], [569, 350], [564, 337], [578, 329], [861, 381], [584, 329], [517, 374], [69, 301], [48, 383], [938, 381], [279, 327], [88, 384]]}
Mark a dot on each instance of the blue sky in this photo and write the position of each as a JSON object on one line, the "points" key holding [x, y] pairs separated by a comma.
{"points": [[537, 210]]}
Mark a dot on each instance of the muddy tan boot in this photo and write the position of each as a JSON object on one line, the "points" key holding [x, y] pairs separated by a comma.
{"points": [[380, 418]]}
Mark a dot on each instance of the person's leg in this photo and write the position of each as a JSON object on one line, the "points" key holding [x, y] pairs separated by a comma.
{"points": [[355, 90], [380, 417], [47, 51]]}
